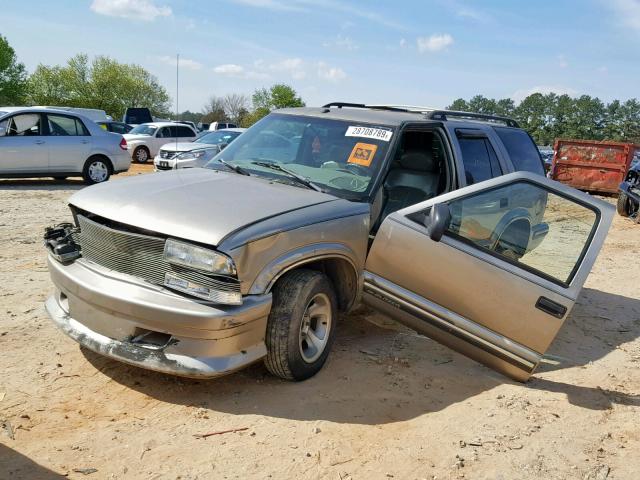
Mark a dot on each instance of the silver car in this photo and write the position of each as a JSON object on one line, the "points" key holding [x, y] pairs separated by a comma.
{"points": [[172, 156], [41, 142], [441, 220]]}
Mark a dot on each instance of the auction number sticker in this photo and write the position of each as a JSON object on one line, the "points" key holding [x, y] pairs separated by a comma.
{"points": [[368, 132], [362, 154]]}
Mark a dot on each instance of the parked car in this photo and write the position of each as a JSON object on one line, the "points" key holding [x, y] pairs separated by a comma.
{"points": [[144, 141], [629, 193], [197, 153], [115, 127], [203, 127], [221, 125], [546, 153], [41, 142], [441, 220], [137, 116]]}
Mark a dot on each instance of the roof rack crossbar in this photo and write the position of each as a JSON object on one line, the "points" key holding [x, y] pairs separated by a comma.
{"points": [[444, 114], [431, 114], [362, 105]]}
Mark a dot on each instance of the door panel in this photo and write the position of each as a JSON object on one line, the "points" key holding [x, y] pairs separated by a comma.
{"points": [[69, 143], [23, 149], [479, 288]]}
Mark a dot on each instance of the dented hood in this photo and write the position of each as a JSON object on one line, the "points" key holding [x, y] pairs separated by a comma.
{"points": [[196, 204]]}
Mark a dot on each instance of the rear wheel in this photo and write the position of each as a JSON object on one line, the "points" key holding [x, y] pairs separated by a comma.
{"points": [[96, 170], [301, 325], [624, 206], [141, 154]]}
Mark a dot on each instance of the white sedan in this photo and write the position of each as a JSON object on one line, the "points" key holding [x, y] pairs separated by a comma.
{"points": [[145, 140], [44, 142]]}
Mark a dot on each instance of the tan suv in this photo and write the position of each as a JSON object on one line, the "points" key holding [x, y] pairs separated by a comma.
{"points": [[442, 220]]}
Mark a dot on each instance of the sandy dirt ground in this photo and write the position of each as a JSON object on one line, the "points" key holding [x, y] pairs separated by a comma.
{"points": [[389, 404]]}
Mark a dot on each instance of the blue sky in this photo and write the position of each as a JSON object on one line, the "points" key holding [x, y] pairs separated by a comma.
{"points": [[402, 52]]}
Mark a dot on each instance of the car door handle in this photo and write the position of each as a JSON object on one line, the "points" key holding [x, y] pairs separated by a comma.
{"points": [[84, 141], [552, 308], [39, 142]]}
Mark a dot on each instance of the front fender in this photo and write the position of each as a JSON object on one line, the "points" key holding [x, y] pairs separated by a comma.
{"points": [[267, 277]]}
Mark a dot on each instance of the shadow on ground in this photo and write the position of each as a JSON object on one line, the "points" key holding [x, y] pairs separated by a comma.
{"points": [[14, 465], [377, 375], [41, 184]]}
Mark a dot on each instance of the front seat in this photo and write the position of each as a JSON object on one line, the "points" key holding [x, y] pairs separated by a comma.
{"points": [[412, 179]]}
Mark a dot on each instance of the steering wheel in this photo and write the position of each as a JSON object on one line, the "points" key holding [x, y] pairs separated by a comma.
{"points": [[356, 169]]}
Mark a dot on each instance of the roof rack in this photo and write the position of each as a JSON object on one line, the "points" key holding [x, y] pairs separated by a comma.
{"points": [[430, 113], [445, 114]]}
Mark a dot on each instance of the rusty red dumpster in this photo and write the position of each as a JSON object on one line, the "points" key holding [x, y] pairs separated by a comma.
{"points": [[596, 166]]}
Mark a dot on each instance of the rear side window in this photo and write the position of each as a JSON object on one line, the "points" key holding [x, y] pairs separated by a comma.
{"points": [[479, 159], [61, 125], [522, 151], [185, 132]]}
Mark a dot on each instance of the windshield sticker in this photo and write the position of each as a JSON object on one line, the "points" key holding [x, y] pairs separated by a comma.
{"points": [[362, 154], [367, 132]]}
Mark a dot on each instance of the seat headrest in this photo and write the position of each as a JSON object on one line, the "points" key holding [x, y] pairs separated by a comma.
{"points": [[419, 160]]}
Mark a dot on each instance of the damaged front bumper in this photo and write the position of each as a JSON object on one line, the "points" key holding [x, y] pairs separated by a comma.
{"points": [[632, 190], [144, 325]]}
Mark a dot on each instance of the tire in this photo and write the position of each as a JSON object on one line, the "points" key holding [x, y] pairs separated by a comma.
{"points": [[141, 154], [96, 170], [624, 205], [291, 353]]}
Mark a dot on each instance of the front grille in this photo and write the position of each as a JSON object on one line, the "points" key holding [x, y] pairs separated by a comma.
{"points": [[164, 154], [138, 255]]}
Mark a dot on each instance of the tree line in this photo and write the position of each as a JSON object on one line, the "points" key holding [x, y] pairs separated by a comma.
{"points": [[550, 116], [105, 84]]}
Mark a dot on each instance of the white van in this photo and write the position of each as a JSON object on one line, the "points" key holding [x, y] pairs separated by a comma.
{"points": [[221, 125]]}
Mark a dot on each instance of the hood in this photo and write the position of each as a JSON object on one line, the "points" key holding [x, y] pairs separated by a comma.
{"points": [[197, 204], [184, 146]]}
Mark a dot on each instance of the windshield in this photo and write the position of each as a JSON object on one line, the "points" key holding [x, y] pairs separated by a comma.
{"points": [[341, 157], [218, 137], [143, 130]]}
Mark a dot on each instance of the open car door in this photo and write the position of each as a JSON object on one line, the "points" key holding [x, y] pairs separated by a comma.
{"points": [[491, 270]]}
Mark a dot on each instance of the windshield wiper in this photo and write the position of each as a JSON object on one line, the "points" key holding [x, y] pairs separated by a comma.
{"points": [[302, 180], [235, 168]]}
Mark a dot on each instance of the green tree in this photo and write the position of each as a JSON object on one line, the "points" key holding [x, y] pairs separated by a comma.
{"points": [[264, 100], [101, 83], [13, 75], [460, 105]]}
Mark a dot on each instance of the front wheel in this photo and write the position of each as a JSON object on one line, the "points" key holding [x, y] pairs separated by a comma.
{"points": [[96, 170], [141, 154], [301, 325]]}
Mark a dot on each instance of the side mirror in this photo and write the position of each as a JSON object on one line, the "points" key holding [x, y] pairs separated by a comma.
{"points": [[438, 221], [222, 146]]}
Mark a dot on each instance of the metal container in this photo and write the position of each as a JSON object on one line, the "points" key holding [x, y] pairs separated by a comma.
{"points": [[595, 166]]}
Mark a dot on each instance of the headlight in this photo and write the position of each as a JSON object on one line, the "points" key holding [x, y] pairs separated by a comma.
{"points": [[192, 256], [191, 155]]}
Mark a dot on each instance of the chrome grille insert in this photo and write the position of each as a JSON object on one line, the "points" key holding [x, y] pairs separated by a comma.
{"points": [[138, 255]]}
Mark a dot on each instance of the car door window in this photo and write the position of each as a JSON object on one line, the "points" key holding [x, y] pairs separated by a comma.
{"points": [[24, 125], [185, 132], [165, 132], [479, 159], [61, 125], [527, 225]]}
